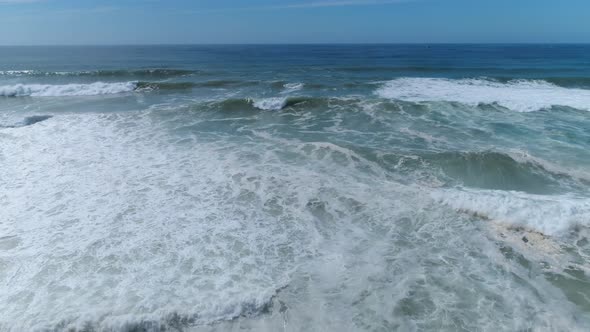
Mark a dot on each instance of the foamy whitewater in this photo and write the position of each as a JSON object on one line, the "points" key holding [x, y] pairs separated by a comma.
{"points": [[40, 90], [334, 188]]}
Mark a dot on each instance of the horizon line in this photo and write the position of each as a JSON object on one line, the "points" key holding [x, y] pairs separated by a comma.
{"points": [[295, 44]]}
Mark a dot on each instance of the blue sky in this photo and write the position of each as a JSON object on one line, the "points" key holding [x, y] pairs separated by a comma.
{"points": [[46, 22]]}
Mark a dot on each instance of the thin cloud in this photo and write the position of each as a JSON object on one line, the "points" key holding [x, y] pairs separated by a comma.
{"points": [[303, 5], [78, 11], [18, 1], [342, 3]]}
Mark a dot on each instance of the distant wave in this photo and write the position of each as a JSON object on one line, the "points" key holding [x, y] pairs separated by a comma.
{"points": [[225, 83], [361, 69], [517, 95], [158, 73], [91, 89], [292, 87], [143, 86], [274, 103], [277, 103], [513, 72], [46, 90], [271, 103], [561, 81]]}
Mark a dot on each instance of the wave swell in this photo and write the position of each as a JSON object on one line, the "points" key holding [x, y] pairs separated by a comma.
{"points": [[28, 121], [503, 171], [175, 320], [140, 86]]}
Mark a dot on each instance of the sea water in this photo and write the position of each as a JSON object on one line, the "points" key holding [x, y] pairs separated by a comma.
{"points": [[295, 188]]}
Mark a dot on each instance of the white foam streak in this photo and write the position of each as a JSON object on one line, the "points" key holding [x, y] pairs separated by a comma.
{"points": [[292, 87], [45, 90], [277, 103], [518, 95], [16, 72]]}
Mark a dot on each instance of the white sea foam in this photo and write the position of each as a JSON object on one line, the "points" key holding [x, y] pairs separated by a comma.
{"points": [[551, 215], [518, 95], [121, 219], [128, 228], [269, 104], [46, 90]]}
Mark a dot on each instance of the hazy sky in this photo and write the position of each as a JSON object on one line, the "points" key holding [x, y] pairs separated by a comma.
{"points": [[25, 22]]}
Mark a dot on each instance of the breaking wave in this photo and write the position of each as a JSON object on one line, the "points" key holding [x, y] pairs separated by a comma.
{"points": [[92, 89], [517, 95], [292, 87], [274, 103], [46, 90], [278, 103]]}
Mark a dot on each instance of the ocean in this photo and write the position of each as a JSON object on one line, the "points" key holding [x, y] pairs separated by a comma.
{"points": [[295, 188]]}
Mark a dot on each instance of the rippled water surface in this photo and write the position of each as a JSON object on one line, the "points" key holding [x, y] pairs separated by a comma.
{"points": [[296, 188]]}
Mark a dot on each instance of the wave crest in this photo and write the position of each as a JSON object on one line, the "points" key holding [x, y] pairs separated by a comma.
{"points": [[504, 171], [550, 215], [278, 103]]}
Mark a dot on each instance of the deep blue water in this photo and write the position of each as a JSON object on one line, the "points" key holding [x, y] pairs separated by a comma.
{"points": [[568, 62]]}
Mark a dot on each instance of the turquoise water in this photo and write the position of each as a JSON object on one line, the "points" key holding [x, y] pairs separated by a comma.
{"points": [[297, 188]]}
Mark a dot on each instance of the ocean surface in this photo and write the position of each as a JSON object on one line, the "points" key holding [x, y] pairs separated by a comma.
{"points": [[295, 188]]}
